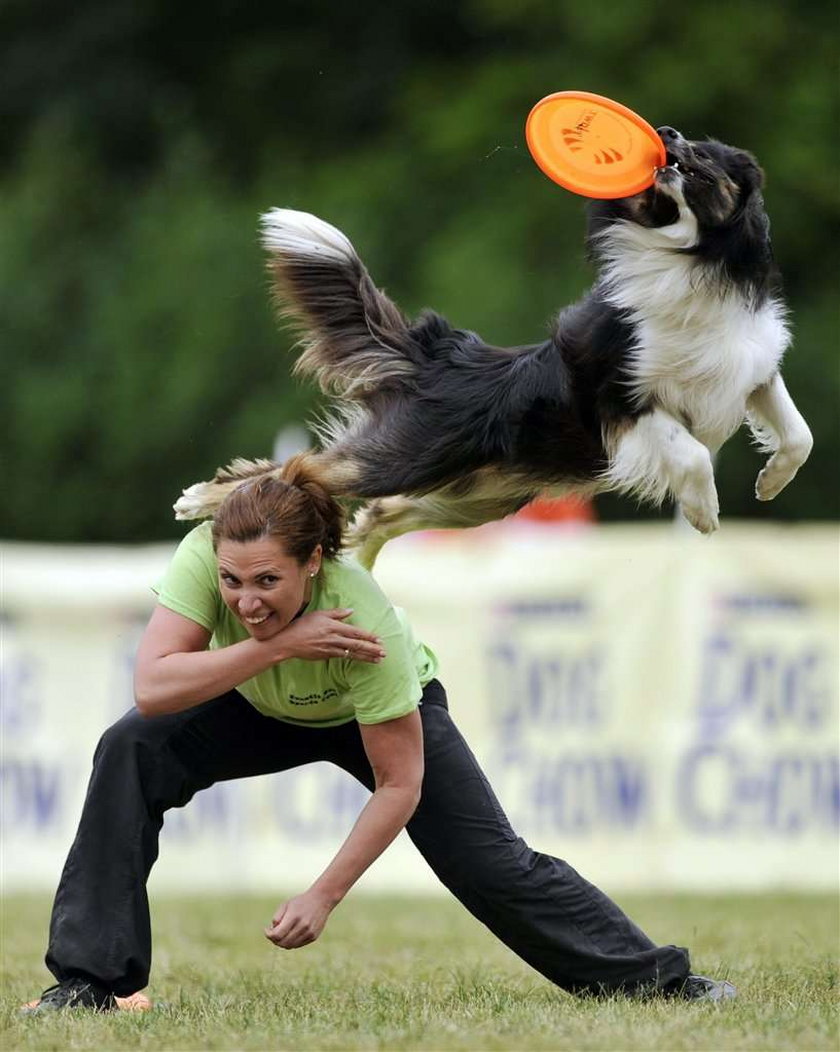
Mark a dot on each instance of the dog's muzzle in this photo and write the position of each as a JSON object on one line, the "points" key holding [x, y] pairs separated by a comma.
{"points": [[677, 151]]}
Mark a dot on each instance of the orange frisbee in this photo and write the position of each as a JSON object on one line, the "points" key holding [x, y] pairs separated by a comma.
{"points": [[593, 146]]}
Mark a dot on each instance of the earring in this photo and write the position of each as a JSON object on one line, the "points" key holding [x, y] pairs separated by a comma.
{"points": [[312, 573]]}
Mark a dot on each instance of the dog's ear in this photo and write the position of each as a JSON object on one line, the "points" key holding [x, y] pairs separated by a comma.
{"points": [[749, 253], [752, 213], [748, 172], [749, 179], [759, 219]]}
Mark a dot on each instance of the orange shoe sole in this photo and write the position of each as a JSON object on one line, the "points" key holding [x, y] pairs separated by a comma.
{"points": [[133, 1003]]}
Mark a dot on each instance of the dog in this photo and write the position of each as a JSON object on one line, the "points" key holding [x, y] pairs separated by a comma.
{"points": [[637, 387]]}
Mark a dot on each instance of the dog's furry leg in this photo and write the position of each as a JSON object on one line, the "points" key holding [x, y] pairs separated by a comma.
{"points": [[381, 520], [377, 523], [780, 429], [657, 456]]}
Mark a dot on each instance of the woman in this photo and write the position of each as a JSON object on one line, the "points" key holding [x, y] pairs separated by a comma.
{"points": [[267, 651]]}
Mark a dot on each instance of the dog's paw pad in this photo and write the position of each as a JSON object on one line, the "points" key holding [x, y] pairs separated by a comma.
{"points": [[701, 514], [703, 518], [769, 484], [706, 526]]}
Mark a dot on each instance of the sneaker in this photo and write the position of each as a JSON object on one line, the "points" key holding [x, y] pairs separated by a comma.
{"points": [[699, 988], [73, 993]]}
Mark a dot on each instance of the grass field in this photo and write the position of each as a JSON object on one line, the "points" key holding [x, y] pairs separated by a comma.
{"points": [[396, 974]]}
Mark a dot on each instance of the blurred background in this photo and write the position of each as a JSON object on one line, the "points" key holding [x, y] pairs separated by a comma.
{"points": [[667, 704], [142, 139]]}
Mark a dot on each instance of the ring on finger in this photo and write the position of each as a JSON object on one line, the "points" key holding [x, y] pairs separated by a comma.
{"points": [[347, 652]]}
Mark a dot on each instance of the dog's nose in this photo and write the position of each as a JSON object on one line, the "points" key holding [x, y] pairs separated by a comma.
{"points": [[668, 134]]}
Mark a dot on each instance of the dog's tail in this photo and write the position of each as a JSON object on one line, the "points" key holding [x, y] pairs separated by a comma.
{"points": [[203, 499], [355, 340]]}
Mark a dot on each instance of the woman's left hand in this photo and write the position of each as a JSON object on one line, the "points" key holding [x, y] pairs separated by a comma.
{"points": [[394, 749], [299, 921]]}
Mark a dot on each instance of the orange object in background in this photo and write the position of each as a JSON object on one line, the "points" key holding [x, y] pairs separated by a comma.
{"points": [[547, 511], [557, 509]]}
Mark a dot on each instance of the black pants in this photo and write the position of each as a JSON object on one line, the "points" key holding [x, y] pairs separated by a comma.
{"points": [[537, 905]]}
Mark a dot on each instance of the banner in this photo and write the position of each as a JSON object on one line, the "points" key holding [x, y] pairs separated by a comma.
{"points": [[657, 708]]}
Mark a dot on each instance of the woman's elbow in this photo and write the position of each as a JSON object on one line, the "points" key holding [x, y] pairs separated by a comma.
{"points": [[159, 698], [405, 796], [144, 703], [413, 793], [417, 785], [147, 700]]}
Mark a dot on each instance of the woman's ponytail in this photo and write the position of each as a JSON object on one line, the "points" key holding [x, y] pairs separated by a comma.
{"points": [[289, 502], [301, 472]]}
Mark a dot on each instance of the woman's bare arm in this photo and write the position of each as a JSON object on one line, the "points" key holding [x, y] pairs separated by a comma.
{"points": [[174, 670], [395, 751]]}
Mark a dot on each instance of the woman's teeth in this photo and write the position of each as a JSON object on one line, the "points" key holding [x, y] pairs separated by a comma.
{"points": [[256, 620]]}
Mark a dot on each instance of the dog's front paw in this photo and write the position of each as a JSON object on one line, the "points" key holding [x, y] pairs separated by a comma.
{"points": [[783, 465], [773, 478], [769, 484], [701, 510]]}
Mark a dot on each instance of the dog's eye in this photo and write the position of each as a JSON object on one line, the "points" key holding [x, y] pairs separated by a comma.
{"points": [[696, 173]]}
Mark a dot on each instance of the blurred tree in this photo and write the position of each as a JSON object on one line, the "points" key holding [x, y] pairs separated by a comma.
{"points": [[142, 139]]}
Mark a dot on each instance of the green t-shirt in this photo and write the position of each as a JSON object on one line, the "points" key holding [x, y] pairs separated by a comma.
{"points": [[313, 693]]}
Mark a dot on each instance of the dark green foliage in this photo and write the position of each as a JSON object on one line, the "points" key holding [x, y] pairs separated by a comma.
{"points": [[141, 142]]}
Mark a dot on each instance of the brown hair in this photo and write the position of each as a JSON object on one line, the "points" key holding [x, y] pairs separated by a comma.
{"points": [[289, 503]]}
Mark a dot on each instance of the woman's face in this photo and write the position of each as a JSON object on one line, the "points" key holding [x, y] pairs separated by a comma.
{"points": [[262, 585]]}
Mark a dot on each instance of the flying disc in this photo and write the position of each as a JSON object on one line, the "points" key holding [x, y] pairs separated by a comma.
{"points": [[592, 145]]}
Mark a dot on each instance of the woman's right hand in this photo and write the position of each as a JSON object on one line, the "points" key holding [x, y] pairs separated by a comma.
{"points": [[322, 634]]}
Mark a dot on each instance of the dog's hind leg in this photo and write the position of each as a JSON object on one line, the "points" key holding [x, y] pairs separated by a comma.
{"points": [[381, 520], [376, 523]]}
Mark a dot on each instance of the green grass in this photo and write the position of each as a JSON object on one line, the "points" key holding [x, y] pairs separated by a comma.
{"points": [[394, 973]]}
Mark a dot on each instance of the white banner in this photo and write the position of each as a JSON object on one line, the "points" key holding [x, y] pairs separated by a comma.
{"points": [[659, 709]]}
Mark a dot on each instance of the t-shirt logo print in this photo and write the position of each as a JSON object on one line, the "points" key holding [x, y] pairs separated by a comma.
{"points": [[312, 699]]}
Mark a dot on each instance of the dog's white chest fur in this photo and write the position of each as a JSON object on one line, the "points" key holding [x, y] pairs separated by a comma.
{"points": [[699, 351]]}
